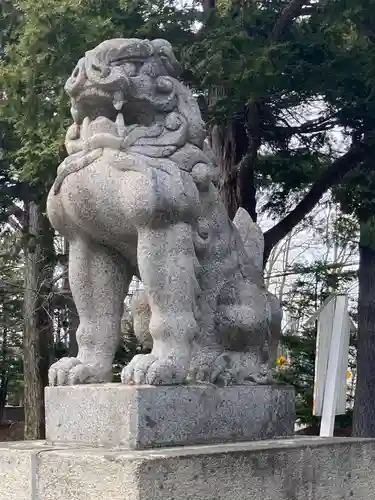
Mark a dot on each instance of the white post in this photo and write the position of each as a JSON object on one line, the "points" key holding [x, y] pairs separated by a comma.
{"points": [[336, 354]]}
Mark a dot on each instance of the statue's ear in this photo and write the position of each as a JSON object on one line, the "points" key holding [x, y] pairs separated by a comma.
{"points": [[252, 237], [164, 50]]}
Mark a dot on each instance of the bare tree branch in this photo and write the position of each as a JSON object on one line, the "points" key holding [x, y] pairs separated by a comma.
{"points": [[291, 11], [311, 9], [316, 125], [336, 171], [15, 223], [50, 283], [16, 212]]}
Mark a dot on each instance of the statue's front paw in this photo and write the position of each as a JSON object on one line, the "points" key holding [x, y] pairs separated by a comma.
{"points": [[150, 369], [71, 371]]}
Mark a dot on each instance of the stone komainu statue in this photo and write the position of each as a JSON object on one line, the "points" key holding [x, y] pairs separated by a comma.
{"points": [[137, 196]]}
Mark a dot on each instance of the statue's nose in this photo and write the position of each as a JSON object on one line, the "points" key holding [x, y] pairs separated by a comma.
{"points": [[77, 79]]}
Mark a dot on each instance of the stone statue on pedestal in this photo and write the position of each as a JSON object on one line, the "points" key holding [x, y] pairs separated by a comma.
{"points": [[137, 195]]}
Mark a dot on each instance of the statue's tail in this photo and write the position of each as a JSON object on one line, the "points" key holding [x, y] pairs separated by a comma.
{"points": [[253, 240]]}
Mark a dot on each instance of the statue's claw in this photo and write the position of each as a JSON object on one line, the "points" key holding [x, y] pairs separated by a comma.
{"points": [[135, 372], [150, 369], [71, 371]]}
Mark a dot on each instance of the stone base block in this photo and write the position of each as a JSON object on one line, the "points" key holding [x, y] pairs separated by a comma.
{"points": [[290, 469], [17, 464], [140, 417]]}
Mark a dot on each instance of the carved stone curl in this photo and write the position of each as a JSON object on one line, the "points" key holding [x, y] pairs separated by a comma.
{"points": [[137, 195]]}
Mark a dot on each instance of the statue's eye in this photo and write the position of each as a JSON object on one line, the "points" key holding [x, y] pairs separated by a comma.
{"points": [[130, 69], [75, 72], [103, 70]]}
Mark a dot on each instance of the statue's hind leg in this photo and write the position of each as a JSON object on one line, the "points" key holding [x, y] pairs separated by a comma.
{"points": [[166, 260], [99, 280]]}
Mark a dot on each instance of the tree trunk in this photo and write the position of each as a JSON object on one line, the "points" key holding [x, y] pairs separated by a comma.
{"points": [[71, 312], [38, 336], [364, 407], [73, 321], [223, 145], [250, 138], [230, 145], [3, 394], [236, 156], [4, 379]]}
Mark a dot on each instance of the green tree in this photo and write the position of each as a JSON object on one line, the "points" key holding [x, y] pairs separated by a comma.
{"points": [[274, 60]]}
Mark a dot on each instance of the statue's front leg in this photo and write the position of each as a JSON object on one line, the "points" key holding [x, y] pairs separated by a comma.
{"points": [[166, 260], [99, 279]]}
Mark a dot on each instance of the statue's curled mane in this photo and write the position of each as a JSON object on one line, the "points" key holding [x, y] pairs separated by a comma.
{"points": [[146, 111]]}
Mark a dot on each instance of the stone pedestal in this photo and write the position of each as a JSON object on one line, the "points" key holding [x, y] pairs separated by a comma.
{"points": [[140, 417], [100, 439], [289, 469]]}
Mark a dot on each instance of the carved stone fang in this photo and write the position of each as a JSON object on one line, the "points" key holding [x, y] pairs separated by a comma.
{"points": [[118, 105], [120, 124]]}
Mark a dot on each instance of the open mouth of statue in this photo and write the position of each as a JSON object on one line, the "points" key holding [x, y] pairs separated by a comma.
{"points": [[97, 109], [93, 102]]}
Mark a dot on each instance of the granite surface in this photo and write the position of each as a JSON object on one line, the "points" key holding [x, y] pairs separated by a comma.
{"points": [[138, 195], [289, 469], [139, 417], [16, 470]]}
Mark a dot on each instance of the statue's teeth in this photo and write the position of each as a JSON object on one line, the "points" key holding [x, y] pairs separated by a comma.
{"points": [[85, 128], [118, 104], [75, 130], [118, 100], [74, 113], [120, 124]]}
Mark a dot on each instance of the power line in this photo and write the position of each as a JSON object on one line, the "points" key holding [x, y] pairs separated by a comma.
{"points": [[310, 270]]}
